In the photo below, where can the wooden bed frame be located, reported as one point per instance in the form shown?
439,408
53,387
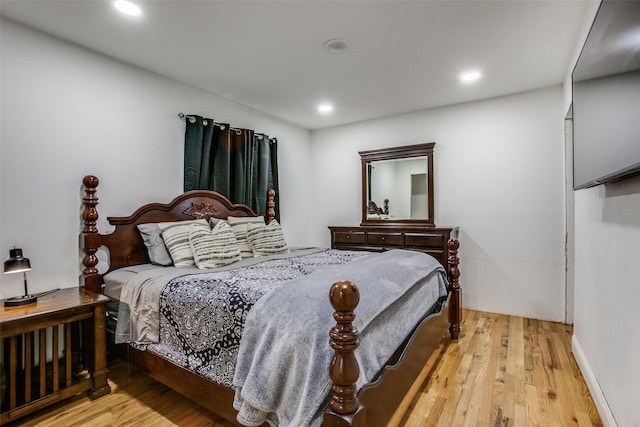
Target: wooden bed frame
346,407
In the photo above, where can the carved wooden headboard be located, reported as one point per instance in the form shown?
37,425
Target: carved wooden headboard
125,245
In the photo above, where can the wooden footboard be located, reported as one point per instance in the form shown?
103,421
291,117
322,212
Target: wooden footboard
376,403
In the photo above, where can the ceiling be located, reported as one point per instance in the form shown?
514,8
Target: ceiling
401,56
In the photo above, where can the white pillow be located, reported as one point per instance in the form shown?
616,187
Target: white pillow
213,248
267,239
176,239
240,227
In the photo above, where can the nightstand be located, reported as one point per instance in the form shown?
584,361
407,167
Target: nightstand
52,350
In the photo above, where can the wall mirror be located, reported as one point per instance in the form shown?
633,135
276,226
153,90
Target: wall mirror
397,185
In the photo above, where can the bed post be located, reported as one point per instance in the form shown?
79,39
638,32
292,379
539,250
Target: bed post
344,407
271,205
455,308
90,238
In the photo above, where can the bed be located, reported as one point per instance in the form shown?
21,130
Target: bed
356,395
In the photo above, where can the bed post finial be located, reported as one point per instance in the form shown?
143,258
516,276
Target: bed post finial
455,306
90,239
344,369
90,200
271,205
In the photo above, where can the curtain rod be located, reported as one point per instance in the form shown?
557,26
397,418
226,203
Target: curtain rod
222,126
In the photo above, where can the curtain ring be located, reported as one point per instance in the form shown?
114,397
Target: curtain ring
205,122
192,119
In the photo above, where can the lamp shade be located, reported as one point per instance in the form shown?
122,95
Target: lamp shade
16,262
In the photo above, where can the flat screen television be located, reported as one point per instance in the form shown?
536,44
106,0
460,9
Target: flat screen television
606,97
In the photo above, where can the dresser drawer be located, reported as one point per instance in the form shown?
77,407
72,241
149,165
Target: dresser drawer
386,239
348,237
424,240
431,240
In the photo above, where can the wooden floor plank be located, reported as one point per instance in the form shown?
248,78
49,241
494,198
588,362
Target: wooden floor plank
504,371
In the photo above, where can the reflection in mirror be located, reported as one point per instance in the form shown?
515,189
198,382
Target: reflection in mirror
400,186
397,185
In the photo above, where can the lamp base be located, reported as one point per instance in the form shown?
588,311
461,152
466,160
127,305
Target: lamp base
21,300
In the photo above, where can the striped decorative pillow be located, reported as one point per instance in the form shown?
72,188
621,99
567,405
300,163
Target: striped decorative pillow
240,226
214,248
267,240
176,239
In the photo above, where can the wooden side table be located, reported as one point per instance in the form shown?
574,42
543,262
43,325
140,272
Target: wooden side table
53,350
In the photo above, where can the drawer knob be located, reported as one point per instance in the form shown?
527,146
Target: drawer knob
348,237
382,238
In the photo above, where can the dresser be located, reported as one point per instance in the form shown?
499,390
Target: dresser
432,240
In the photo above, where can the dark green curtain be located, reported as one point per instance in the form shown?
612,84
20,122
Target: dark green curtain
238,163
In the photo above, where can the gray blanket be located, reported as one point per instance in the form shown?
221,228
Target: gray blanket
282,368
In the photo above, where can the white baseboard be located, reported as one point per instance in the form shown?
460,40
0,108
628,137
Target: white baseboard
592,383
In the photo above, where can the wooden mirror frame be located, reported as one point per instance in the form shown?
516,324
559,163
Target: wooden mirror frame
396,153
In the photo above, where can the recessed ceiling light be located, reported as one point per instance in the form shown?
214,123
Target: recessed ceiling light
325,108
470,76
127,7
335,45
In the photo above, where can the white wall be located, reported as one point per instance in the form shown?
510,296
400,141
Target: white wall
606,337
68,112
499,175
607,294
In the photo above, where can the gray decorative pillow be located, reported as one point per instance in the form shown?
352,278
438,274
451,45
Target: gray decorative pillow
213,248
267,240
176,239
152,237
240,226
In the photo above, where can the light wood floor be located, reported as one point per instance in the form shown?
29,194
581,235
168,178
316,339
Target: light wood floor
504,371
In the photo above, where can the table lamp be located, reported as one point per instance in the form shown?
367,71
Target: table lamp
18,264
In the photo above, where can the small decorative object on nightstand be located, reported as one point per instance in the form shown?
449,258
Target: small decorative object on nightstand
18,264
